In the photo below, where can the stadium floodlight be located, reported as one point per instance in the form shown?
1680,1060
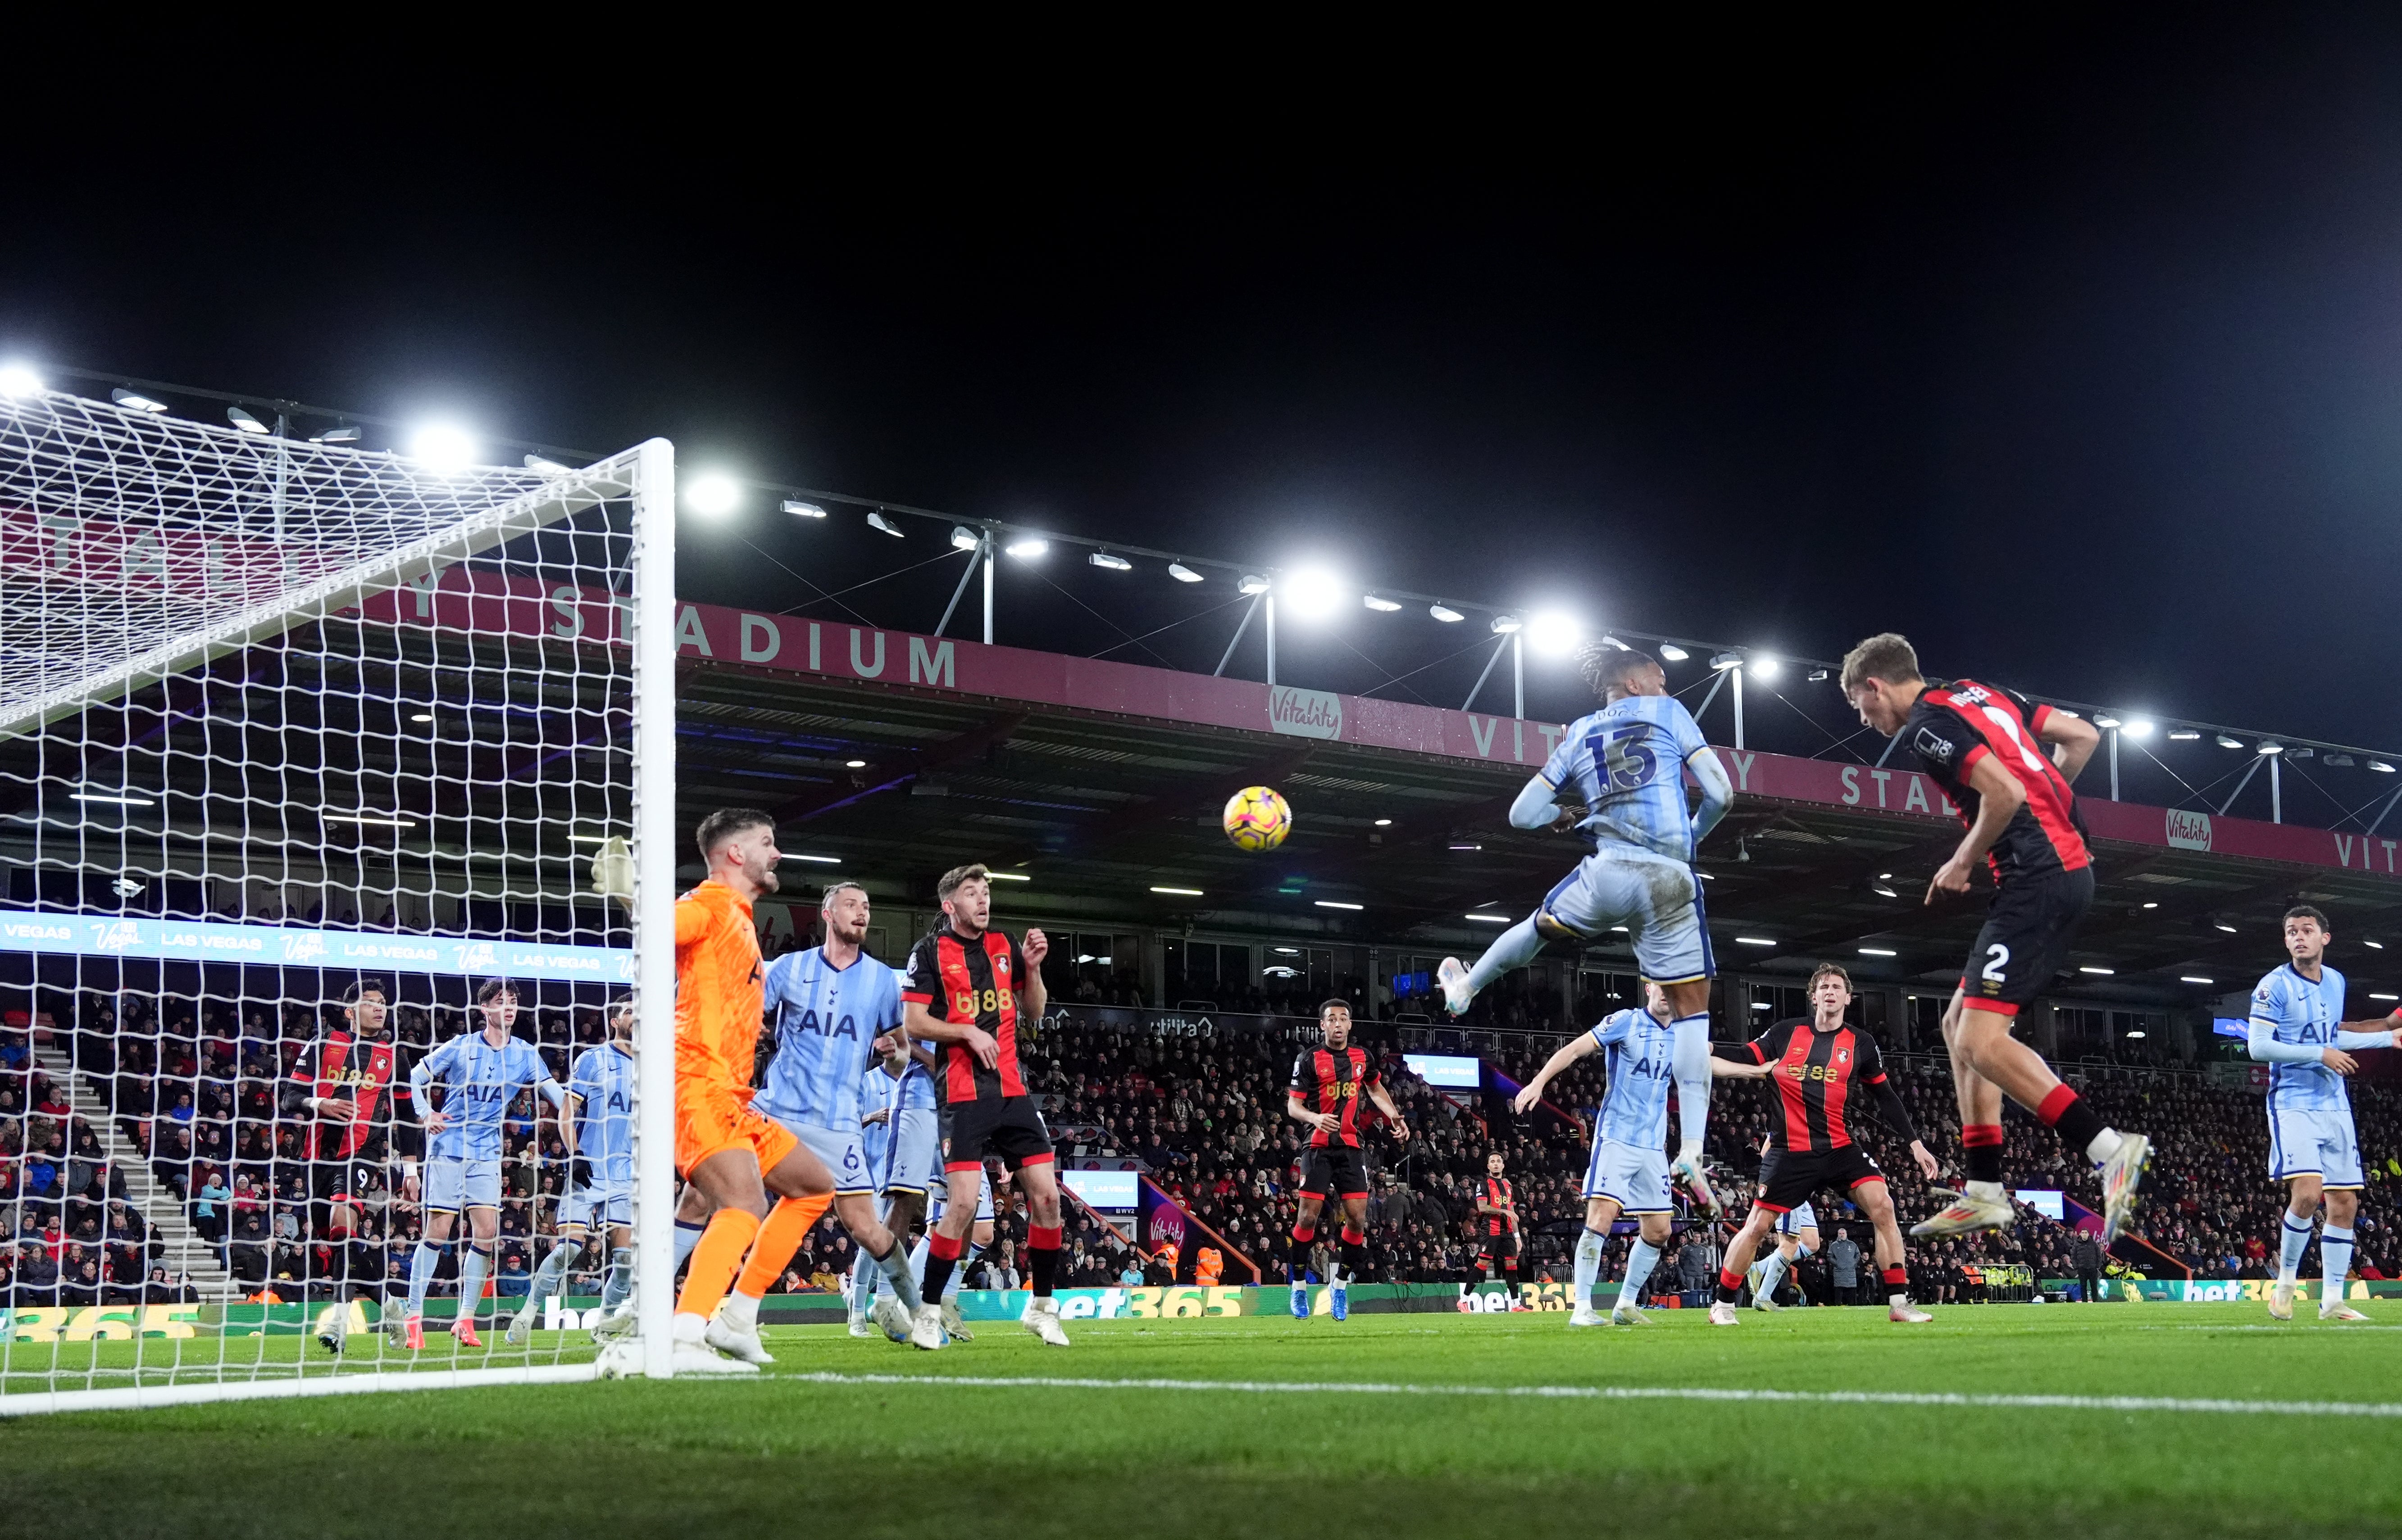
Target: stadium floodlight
1177,893
854,764
815,860
798,509
420,716
2108,722
2377,996
2267,745
1028,548
2302,751
2374,946
1883,890
370,818
964,539
245,421
2151,903
1338,903
712,495
1379,603
17,382
2381,767
1878,951
1311,594
136,401
1110,561
877,521
1753,940
2194,978
1252,585
1819,675
1723,661
543,467
1446,613
1009,876
1490,919
1764,667
2140,728
2341,761
1384,823
2222,925
1182,573
1552,632
342,432
2184,734
2101,972
120,799
2225,742
442,449
1673,652
1506,624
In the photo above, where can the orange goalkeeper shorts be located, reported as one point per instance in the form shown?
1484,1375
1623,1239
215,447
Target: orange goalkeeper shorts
711,1116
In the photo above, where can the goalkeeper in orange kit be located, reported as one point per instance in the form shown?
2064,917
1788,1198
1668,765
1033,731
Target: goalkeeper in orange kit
731,1157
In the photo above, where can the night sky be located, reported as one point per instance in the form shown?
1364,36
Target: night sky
2078,357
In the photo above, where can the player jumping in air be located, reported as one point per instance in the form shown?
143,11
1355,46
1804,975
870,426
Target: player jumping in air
1626,762
599,1180
1815,1062
2297,1029
1988,748
1326,1084
481,1073
344,1080
1629,1170
833,1005
968,989
730,1156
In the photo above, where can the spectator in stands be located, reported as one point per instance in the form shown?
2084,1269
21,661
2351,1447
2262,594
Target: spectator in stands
2086,1254
38,1276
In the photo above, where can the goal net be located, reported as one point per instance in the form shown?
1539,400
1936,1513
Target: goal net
334,790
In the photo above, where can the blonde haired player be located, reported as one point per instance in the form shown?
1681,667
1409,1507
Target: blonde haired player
731,1156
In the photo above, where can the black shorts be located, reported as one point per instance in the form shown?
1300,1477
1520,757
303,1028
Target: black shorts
1791,1177
1339,1170
1502,1245
338,1182
2025,939
1008,1127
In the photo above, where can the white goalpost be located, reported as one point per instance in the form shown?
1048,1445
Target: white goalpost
311,762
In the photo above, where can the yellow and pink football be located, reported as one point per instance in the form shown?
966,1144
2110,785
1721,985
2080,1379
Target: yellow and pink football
1257,818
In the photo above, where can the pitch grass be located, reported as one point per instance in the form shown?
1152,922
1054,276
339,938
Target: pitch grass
785,1456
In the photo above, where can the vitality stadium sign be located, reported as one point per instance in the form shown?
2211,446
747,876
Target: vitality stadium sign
462,599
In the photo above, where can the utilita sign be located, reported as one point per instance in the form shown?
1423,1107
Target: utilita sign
466,600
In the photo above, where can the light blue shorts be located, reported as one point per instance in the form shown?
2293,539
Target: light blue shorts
1635,1176
1657,899
600,1205
1793,1221
452,1182
844,1152
938,1190
917,1149
2300,1143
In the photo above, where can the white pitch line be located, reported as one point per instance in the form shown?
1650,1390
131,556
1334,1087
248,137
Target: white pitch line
1641,1393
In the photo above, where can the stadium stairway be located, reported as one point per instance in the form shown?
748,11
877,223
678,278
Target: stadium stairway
181,1247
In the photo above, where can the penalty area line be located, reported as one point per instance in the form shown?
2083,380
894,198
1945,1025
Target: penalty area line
1639,1393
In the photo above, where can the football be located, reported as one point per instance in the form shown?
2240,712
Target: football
1257,818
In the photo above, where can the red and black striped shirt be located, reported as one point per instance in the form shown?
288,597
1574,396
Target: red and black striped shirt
350,1068
976,981
1332,1079
1951,726
1497,1195
1816,1072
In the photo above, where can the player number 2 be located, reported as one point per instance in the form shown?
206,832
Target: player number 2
1997,962
1632,763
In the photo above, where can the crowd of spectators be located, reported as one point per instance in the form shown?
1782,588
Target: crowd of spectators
192,1085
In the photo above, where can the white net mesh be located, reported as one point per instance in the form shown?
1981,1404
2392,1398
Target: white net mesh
283,729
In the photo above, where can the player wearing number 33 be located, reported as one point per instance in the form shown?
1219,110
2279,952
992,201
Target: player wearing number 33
1625,765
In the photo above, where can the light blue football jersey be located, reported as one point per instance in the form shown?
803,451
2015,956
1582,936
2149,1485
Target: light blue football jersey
480,1082
1637,1047
917,1089
825,1017
2301,1011
602,1081
878,1091
1626,764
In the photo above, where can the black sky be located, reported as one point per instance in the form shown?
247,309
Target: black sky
2075,354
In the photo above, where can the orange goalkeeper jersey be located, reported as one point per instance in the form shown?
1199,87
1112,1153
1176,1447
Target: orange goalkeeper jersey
719,978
